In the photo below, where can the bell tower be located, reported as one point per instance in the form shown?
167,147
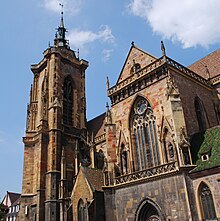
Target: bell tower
55,140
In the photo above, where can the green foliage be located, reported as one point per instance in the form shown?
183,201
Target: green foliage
2,211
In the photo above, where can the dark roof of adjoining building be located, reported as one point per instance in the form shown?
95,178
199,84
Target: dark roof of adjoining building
12,196
17,201
96,125
211,147
209,65
94,177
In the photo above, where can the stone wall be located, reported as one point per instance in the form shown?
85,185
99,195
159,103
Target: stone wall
169,193
213,182
188,90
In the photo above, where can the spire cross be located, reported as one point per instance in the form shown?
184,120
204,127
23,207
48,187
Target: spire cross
61,5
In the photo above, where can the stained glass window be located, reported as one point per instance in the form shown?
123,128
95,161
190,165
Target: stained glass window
143,126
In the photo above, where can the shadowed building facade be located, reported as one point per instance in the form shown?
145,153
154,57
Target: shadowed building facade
154,155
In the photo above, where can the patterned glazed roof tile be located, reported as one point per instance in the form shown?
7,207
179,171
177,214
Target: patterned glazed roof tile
210,146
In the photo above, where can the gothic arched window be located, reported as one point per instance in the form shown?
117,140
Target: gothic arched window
143,128
201,114
206,202
67,101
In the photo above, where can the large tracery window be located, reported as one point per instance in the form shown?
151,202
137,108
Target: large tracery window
67,101
206,201
143,127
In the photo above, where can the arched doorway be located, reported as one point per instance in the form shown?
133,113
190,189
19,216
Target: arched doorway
148,210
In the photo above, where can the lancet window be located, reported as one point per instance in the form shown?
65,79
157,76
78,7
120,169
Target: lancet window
206,201
82,211
67,101
201,114
143,127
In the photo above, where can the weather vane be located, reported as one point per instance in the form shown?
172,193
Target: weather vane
61,7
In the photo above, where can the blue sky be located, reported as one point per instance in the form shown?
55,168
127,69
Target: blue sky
103,31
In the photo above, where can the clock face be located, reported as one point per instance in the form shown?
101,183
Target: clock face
141,108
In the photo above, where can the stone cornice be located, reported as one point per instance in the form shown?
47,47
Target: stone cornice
188,72
66,54
147,76
138,81
215,80
100,139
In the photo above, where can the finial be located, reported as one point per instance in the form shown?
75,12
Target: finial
163,49
92,136
107,83
207,71
63,154
107,106
132,43
78,53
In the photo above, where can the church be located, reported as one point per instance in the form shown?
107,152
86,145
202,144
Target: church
154,155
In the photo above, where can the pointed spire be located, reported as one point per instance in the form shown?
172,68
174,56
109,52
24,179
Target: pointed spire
163,49
107,83
60,38
61,22
108,115
63,164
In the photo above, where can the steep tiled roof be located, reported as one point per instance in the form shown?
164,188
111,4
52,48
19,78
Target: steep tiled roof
94,177
212,61
10,197
97,125
210,146
17,201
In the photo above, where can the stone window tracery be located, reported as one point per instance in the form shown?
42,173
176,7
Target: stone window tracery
67,101
143,127
206,201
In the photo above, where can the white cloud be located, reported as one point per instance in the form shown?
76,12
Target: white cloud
79,38
190,22
72,7
107,54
